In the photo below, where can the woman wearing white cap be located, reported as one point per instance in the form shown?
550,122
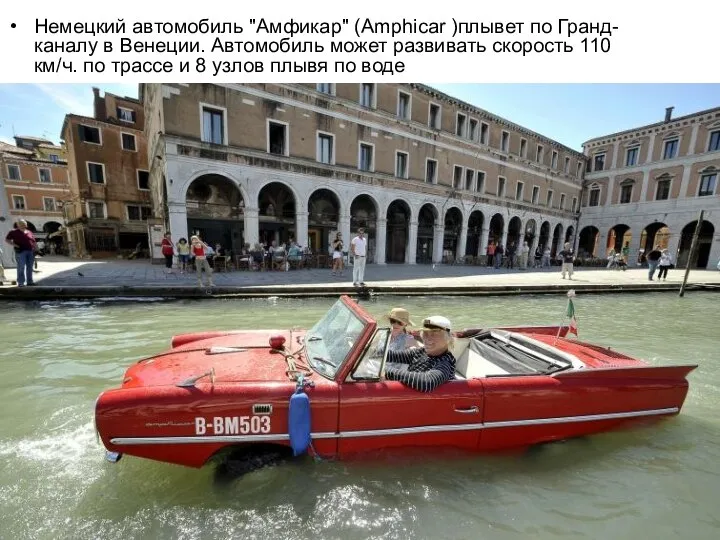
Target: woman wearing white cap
400,338
424,369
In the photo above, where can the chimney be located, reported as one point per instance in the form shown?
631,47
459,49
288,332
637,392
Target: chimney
668,113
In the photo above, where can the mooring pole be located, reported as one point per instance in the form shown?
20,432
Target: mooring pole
691,256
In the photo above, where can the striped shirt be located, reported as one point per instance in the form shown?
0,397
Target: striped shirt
421,372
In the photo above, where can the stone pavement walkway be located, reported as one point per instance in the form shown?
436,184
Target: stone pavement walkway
62,277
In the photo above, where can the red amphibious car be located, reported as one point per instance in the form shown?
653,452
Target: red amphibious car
514,388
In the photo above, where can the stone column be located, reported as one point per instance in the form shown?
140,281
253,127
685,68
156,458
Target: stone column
438,238
616,151
687,169
645,183
651,148
252,226
411,251
380,239
693,140
177,218
462,243
483,244
610,190
301,228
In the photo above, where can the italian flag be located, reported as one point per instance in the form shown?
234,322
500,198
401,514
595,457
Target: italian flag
571,315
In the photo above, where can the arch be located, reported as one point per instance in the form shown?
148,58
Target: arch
655,234
619,237
398,226
364,211
30,225
514,232
587,243
556,240
475,226
183,189
277,209
323,208
427,218
453,228
570,235
704,245
496,229
50,227
544,239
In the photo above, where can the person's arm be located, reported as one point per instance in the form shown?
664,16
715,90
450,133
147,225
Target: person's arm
403,357
423,381
352,247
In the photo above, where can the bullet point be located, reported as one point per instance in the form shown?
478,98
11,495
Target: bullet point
13,25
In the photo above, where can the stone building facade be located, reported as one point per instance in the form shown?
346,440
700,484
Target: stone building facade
34,173
429,177
646,186
109,204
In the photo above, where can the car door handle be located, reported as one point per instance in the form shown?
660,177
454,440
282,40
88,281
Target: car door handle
469,410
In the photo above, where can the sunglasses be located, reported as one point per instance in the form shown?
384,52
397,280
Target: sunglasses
395,321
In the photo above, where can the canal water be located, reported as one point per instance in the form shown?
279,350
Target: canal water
657,482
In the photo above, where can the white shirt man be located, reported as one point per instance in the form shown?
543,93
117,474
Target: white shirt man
358,246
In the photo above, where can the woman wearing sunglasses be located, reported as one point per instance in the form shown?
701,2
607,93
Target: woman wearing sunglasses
400,338
425,368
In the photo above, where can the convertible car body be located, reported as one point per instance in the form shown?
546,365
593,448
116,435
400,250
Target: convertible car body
514,388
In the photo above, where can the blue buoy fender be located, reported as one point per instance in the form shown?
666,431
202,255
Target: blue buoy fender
299,422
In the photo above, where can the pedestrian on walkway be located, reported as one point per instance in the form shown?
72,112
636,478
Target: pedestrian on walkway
499,252
664,265
568,258
524,251
168,252
23,242
337,254
653,259
358,247
490,252
546,257
199,249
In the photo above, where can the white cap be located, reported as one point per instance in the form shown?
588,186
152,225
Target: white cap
437,321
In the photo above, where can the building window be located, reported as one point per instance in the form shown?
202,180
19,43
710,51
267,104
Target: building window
501,187
540,156
277,134
594,197
457,177
535,194
367,95
431,171
136,212
707,184
128,142
484,133
45,176
631,156
54,158
480,186
523,148
18,202
89,134
460,125
326,88
96,173
96,209
326,148
401,164
554,159
49,204
365,159
567,165
434,119
472,135
519,191
578,172
126,115
574,204
213,125
505,141
549,198
404,106
714,144
469,179
626,189
599,162
670,150
562,201
143,180
13,172
662,191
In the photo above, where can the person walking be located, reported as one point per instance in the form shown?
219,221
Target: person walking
168,252
358,247
23,242
337,255
653,259
664,265
568,258
199,249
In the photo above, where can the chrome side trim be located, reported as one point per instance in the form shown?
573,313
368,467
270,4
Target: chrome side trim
390,431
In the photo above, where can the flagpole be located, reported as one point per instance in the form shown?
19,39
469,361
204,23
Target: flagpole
570,295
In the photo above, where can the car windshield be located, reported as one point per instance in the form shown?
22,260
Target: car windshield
330,341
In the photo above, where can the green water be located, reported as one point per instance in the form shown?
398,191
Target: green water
659,482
